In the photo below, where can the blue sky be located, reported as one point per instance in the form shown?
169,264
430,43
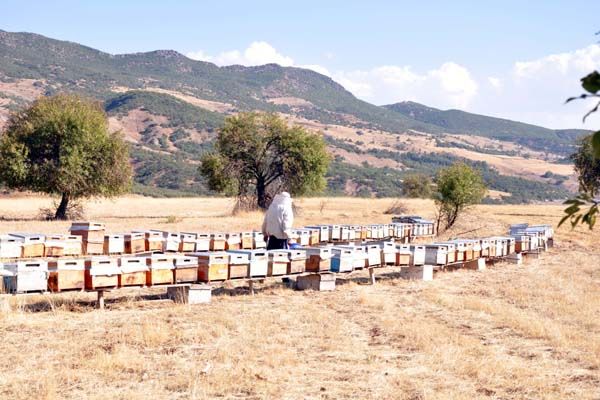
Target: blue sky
494,57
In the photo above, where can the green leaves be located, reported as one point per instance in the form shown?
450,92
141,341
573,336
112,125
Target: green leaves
591,82
596,144
575,215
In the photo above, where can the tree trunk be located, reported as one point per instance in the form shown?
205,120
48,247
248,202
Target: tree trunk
61,211
261,194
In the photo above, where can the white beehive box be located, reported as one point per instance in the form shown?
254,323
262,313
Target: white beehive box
335,233
26,276
259,261
259,240
114,243
436,254
388,253
323,232
343,259
33,244
417,254
10,246
171,240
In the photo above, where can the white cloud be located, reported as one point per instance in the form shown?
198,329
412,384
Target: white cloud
257,53
317,68
495,82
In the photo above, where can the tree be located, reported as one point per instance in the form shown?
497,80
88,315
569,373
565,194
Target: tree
589,149
258,154
417,186
458,187
62,145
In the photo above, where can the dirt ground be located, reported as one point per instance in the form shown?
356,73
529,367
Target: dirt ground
510,332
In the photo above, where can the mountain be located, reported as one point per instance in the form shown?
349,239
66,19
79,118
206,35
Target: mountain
169,107
457,121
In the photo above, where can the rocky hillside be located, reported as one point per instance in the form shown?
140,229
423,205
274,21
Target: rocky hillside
170,106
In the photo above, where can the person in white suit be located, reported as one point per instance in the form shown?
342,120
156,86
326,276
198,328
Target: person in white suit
277,225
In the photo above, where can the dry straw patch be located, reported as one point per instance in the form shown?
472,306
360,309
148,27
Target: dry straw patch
510,332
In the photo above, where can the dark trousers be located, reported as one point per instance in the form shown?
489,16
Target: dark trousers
276,244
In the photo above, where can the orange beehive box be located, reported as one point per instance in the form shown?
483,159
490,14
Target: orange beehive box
217,241
186,269
101,272
66,274
33,244
239,265
161,270
187,242
134,271
319,259
212,266
90,231
233,241
278,262
135,242
247,240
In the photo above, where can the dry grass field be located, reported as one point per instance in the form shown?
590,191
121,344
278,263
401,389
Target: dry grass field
510,332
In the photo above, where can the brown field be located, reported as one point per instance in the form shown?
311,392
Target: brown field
510,332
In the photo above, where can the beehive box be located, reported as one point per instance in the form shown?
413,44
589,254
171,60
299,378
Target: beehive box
160,270
93,248
54,247
511,245
153,240
436,254
135,242
296,261
33,244
186,269
315,236
26,276
323,232
417,253
318,259
239,265
187,242
335,233
278,262
101,273
374,255
10,246
258,240
522,243
484,244
114,244
89,231
303,236
134,271
319,282
201,242
403,254
170,242
461,250
233,241
388,253
66,274
259,261
342,259
247,240
344,233
212,266
217,241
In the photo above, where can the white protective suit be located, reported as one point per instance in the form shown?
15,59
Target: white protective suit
279,217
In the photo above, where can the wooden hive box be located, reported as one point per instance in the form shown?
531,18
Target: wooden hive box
160,270
217,241
342,259
498,247
233,241
153,240
403,254
323,232
315,236
66,274
170,242
318,282
417,255
187,242
33,244
511,245
135,242
319,259
212,266
26,276
278,262
258,240
247,241
114,244
134,271
303,236
374,255
10,247
491,247
89,231
436,254
54,246
360,257
461,250
259,262
521,243
239,265
296,261
186,269
335,233
388,253
202,242
101,273
484,244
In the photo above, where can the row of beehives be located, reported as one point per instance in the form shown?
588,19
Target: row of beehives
89,238
156,269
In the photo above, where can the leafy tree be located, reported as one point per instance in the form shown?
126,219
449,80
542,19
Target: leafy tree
62,145
258,154
588,178
417,186
458,187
